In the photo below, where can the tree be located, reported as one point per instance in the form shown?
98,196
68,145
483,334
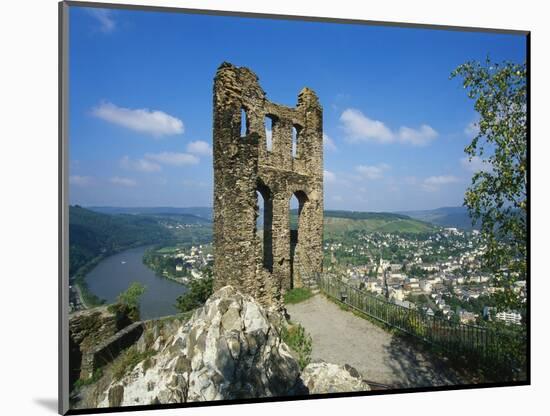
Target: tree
199,291
128,301
498,192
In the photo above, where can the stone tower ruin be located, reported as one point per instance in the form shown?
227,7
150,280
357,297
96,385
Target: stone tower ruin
265,261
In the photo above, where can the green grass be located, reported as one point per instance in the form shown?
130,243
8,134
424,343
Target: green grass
98,373
128,361
297,295
166,250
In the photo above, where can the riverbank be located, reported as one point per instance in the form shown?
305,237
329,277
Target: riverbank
183,264
113,274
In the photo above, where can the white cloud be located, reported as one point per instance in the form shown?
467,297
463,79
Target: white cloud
475,164
153,122
140,165
328,143
174,159
472,129
417,137
337,198
372,172
338,179
360,128
329,177
433,183
199,147
78,180
441,180
117,180
105,19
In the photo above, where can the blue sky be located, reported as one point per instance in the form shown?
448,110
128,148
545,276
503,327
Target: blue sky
395,125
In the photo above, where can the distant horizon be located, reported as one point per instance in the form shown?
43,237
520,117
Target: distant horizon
211,207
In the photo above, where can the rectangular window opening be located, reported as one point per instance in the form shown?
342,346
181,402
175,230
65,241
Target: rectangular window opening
268,122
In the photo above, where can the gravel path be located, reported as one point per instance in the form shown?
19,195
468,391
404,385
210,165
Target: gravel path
341,337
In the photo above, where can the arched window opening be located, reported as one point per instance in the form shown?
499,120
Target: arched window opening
264,225
245,124
294,212
296,207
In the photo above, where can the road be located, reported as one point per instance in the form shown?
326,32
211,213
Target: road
80,297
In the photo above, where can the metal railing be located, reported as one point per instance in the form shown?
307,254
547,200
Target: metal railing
470,341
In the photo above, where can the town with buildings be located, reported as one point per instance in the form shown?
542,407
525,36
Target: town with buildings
440,273
181,263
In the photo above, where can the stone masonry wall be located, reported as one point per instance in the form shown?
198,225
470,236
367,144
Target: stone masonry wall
261,265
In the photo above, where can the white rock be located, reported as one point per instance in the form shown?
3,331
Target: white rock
322,378
229,349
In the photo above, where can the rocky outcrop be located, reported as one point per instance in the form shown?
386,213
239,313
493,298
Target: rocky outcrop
230,349
322,378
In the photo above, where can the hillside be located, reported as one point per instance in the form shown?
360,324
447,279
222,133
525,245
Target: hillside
201,212
359,215
340,222
335,220
92,234
373,222
105,230
445,217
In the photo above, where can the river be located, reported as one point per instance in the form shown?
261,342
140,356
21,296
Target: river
114,274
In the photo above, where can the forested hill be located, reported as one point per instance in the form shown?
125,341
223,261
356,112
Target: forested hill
92,234
446,217
201,212
358,215
341,222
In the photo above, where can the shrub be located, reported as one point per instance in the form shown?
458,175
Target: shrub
199,291
98,373
299,341
128,301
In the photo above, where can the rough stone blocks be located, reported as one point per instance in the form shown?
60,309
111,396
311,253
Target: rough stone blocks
247,163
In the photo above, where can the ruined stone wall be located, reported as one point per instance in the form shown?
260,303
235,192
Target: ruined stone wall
88,329
257,264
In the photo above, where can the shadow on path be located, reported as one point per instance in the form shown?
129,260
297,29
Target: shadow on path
419,368
341,337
